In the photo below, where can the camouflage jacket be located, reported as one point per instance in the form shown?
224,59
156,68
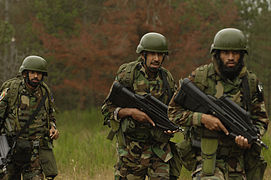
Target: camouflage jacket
209,80
17,104
134,77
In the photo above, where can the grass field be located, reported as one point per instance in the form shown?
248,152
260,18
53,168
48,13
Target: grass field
84,153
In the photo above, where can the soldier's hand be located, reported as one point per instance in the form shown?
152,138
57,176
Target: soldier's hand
212,123
242,142
136,115
170,132
54,133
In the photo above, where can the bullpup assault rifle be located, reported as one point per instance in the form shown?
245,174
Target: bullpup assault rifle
233,117
155,109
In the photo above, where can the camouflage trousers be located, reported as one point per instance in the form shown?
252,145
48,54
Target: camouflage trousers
30,170
139,160
246,165
231,169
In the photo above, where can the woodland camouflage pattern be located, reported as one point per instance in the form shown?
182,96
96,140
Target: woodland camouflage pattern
142,149
16,115
232,161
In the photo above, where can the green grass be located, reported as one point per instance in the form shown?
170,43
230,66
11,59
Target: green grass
83,152
82,149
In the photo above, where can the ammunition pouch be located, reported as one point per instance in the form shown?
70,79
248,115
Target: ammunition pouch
22,151
187,154
209,145
48,162
114,129
158,135
208,154
128,125
143,132
47,158
134,130
175,163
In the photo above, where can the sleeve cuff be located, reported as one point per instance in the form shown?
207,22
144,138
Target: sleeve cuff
196,119
116,112
53,124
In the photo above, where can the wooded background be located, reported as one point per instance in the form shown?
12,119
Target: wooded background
85,41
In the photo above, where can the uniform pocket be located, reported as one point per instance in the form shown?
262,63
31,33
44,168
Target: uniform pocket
23,151
48,162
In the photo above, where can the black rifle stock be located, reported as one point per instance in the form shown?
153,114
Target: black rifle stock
233,117
155,109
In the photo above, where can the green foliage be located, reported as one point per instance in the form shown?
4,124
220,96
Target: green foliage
21,16
259,51
6,32
58,15
250,10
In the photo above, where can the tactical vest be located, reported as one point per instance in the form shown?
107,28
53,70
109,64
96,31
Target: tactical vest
209,86
128,75
206,80
20,107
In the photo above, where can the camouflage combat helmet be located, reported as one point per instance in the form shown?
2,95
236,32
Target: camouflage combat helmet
229,39
153,42
34,63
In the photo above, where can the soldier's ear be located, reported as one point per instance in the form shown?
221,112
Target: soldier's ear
25,73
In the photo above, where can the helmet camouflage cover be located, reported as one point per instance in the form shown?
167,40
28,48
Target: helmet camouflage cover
153,42
34,63
229,39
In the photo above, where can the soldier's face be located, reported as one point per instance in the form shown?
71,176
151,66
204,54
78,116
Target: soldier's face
230,58
35,78
154,60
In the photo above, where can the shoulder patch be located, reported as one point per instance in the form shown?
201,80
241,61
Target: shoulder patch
3,94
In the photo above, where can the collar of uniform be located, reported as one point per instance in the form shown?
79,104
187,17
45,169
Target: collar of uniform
243,72
238,80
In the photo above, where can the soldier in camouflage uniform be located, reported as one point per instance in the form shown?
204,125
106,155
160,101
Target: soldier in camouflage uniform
32,155
228,158
143,150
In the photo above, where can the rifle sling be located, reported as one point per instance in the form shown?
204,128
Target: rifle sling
246,91
166,87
